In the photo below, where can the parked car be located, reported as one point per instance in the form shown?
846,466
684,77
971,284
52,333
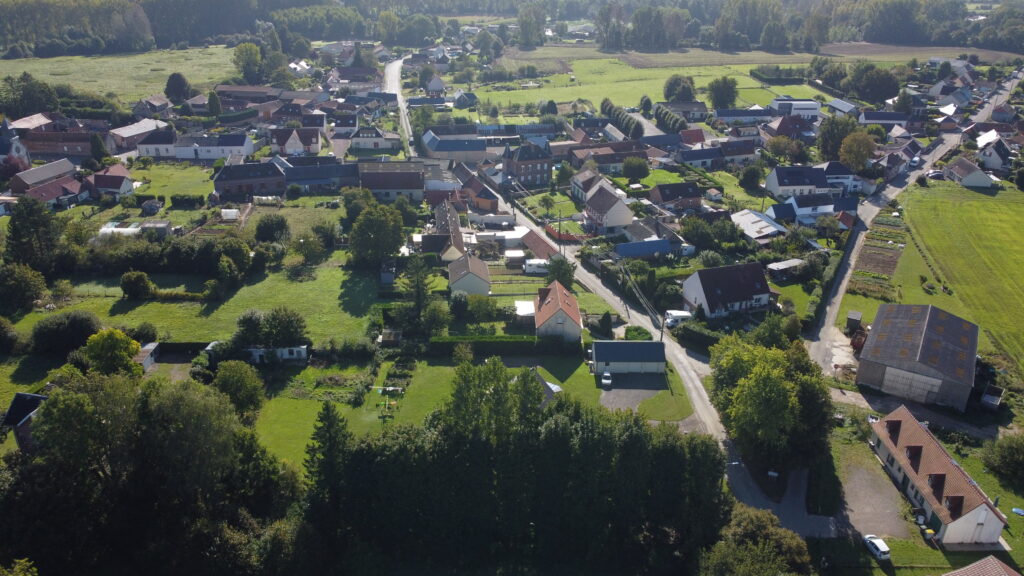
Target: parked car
936,175
915,162
877,547
606,380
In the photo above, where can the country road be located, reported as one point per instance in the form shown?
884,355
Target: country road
826,342
393,84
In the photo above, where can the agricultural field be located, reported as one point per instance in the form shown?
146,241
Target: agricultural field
129,76
962,239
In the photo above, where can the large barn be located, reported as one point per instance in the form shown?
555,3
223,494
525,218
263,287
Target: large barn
921,353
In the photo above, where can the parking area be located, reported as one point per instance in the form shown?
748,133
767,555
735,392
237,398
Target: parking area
873,504
629,390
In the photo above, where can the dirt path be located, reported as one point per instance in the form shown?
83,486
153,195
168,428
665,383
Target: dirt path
885,404
873,505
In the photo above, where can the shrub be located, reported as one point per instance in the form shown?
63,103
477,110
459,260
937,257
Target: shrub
64,332
637,333
8,336
137,286
1005,457
143,333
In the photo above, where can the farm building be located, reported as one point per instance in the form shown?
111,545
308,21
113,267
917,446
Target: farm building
987,566
921,353
629,357
147,355
954,506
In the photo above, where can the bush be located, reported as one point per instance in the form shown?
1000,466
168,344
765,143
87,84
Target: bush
137,286
187,202
64,332
637,333
696,333
1005,457
143,333
8,336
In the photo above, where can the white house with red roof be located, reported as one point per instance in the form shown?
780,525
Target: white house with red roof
557,314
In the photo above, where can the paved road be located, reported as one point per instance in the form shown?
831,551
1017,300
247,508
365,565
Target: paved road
393,83
825,339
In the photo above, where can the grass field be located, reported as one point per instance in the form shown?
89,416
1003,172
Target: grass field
971,238
563,204
732,189
669,405
129,76
167,179
334,304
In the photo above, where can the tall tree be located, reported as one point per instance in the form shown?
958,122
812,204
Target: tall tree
326,459
111,351
561,270
33,235
177,87
856,150
97,148
20,286
243,386
831,134
679,88
723,92
213,104
376,235
248,61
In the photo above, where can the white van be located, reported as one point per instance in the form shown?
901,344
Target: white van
673,317
535,266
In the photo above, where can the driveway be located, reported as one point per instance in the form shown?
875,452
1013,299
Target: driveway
873,504
883,403
629,390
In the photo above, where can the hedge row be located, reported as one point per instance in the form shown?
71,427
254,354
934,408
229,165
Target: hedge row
816,303
775,79
238,116
697,334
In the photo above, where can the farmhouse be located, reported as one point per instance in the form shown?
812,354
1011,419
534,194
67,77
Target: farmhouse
678,196
629,357
128,137
955,507
581,184
708,158
695,111
388,180
470,149
469,274
240,182
529,164
557,314
445,239
987,566
792,127
727,289
23,181
921,353
606,211
373,138
295,141
805,108
113,180
995,155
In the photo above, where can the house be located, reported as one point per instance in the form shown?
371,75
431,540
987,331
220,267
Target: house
727,289
995,155
609,156
113,181
758,227
806,108
469,274
529,164
128,137
19,416
840,107
76,143
892,164
839,176
953,504
445,239
388,180
158,144
738,151
987,566
373,138
205,148
240,182
792,127
540,248
692,136
808,208
677,197
706,158
480,195
557,314
606,211
966,173
61,193
581,183
921,353
783,213
156,105
295,141
436,87
695,111
471,149
318,174
737,133
23,181
743,117
465,100
785,181
300,68
1005,112
884,119
628,357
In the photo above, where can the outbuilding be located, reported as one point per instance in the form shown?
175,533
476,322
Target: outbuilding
629,357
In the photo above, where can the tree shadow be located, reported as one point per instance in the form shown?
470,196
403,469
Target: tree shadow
358,293
31,368
277,379
561,368
124,306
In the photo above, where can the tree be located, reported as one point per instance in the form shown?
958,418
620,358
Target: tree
646,105
762,413
878,85
64,331
376,235
1005,457
22,567
828,226
33,234
426,74
904,103
436,317
635,169
137,286
283,327
831,134
327,456
272,228
482,308
856,150
750,178
213,104
779,146
177,88
243,386
723,92
111,351
547,203
248,61
561,270
20,287
679,88
311,248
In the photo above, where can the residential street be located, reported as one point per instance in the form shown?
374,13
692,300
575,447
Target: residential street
393,83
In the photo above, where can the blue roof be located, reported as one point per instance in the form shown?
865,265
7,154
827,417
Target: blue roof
662,141
782,212
628,351
383,96
845,204
700,154
643,248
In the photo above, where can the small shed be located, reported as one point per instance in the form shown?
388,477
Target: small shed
781,270
390,337
147,356
629,357
152,207
229,214
853,320
713,194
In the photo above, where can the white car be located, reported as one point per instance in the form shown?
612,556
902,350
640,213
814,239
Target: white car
878,548
606,379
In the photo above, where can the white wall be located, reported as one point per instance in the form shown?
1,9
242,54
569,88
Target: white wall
471,284
561,326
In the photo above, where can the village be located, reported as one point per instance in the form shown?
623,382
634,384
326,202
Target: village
396,214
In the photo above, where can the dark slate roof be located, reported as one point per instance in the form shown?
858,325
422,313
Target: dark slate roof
391,175
643,248
528,152
700,154
425,101
602,201
927,335
322,173
21,407
386,97
801,176
738,147
812,200
835,168
628,351
845,204
248,171
664,193
733,113
782,212
842,105
160,137
727,284
437,144
590,122
468,264
56,169
872,116
663,141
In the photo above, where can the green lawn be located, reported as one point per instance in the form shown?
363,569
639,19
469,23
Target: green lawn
971,238
334,304
669,405
563,204
129,76
300,215
573,376
653,179
732,189
795,292
168,179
